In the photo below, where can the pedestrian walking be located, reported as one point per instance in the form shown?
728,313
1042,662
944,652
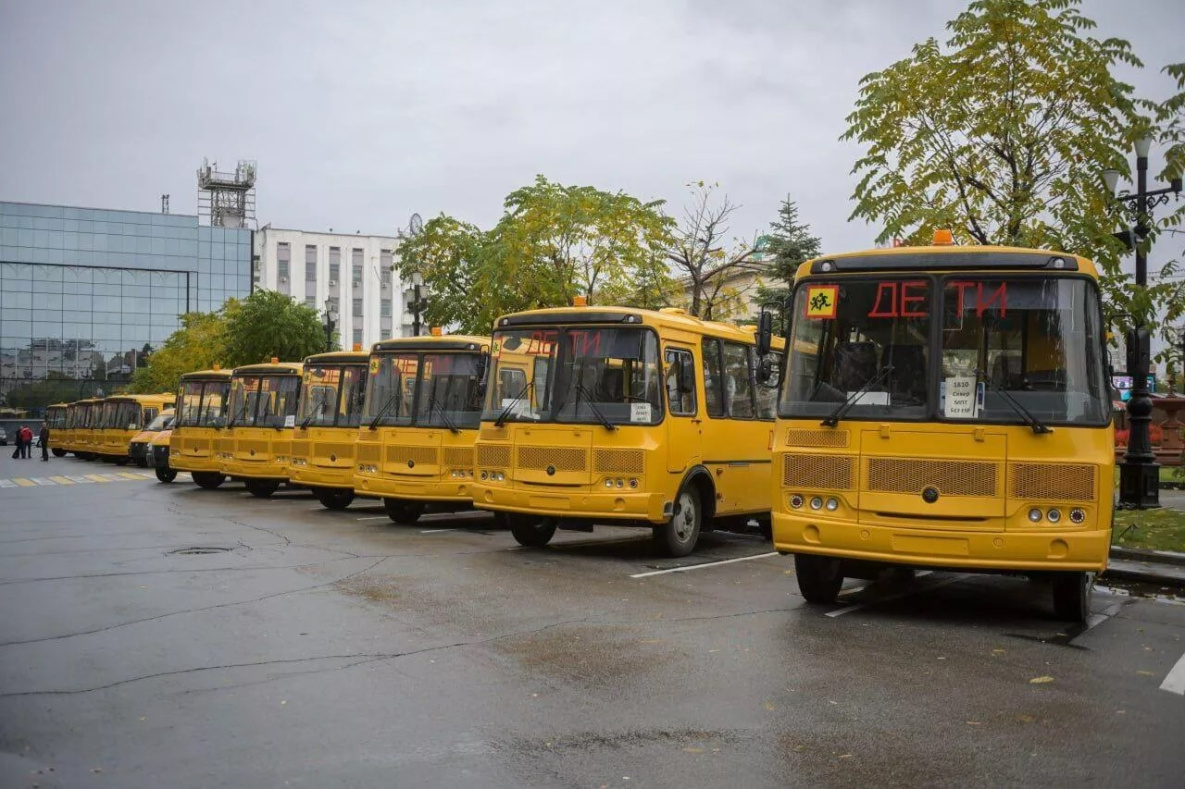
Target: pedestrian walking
44,442
16,451
27,436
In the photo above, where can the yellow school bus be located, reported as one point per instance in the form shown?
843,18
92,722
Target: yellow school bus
422,408
331,397
69,439
200,414
84,436
123,417
256,443
946,407
55,419
624,416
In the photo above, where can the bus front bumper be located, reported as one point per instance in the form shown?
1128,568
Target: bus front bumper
1079,550
315,477
414,489
248,469
194,462
580,505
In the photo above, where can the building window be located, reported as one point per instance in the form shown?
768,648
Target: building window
311,302
357,336
335,264
310,263
357,308
283,257
385,308
386,260
356,264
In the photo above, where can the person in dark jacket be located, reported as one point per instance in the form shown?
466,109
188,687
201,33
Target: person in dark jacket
44,441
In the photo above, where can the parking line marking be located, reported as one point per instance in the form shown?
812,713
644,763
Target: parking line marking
374,518
43,481
691,567
25,483
97,478
81,480
7,483
1174,681
898,596
130,475
62,480
433,531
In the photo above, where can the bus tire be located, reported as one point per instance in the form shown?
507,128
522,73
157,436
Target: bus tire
819,577
58,453
208,479
261,488
678,536
334,498
166,474
403,512
1071,596
531,531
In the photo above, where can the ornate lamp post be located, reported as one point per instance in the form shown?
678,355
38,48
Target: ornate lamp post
329,323
1139,475
418,304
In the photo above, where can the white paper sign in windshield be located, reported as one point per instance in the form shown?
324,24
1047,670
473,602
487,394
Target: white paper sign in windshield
639,412
960,400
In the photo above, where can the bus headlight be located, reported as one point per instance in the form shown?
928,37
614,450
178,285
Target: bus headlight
1035,515
1054,515
796,501
485,474
816,503
1077,515
832,504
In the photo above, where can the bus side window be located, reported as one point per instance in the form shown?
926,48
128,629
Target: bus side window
713,379
738,379
680,382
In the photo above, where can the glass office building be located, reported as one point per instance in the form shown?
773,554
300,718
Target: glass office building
85,293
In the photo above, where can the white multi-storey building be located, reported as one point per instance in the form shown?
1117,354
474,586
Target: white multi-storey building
348,275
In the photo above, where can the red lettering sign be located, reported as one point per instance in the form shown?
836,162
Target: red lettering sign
881,290
997,298
901,297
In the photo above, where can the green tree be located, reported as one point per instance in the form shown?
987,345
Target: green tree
787,246
552,243
1001,134
197,345
268,324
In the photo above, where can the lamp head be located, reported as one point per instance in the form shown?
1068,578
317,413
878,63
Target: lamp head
1143,146
1111,179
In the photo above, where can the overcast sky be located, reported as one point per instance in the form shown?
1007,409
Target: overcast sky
360,113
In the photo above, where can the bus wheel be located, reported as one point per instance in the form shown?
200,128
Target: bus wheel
166,474
58,453
262,488
1071,596
819,577
678,536
335,498
208,479
404,512
532,531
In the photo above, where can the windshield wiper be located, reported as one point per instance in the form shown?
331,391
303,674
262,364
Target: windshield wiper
316,413
433,403
241,412
501,420
588,400
374,423
1032,421
833,418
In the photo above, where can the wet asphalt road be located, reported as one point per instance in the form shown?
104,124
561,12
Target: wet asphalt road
338,649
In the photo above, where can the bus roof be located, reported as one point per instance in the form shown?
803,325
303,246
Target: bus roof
671,318
145,398
449,342
338,357
948,258
58,405
274,368
206,375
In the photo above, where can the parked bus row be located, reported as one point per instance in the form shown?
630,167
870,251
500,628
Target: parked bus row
111,429
941,407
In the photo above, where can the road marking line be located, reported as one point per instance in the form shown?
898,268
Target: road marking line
374,518
433,531
691,567
62,480
81,480
44,481
1174,681
97,478
7,483
25,483
898,596
130,475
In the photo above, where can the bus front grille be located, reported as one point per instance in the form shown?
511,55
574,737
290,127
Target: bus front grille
300,449
493,455
369,452
458,457
950,477
1052,481
403,454
562,458
818,472
805,437
340,450
619,461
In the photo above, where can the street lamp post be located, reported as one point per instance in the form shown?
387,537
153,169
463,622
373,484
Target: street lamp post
329,324
1139,474
417,304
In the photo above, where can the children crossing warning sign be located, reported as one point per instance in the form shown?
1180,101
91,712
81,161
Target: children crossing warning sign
822,301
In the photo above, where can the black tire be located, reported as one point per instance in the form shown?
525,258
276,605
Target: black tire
402,511
678,536
58,453
532,531
208,479
819,577
122,461
166,474
1071,596
261,488
334,498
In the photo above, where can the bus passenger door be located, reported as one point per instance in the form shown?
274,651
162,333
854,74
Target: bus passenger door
684,422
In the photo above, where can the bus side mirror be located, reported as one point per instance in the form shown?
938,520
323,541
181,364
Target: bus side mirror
483,367
765,332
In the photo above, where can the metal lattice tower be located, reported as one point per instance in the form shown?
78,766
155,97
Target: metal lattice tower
226,199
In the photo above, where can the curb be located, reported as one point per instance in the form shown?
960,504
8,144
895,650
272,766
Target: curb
1149,572
1142,555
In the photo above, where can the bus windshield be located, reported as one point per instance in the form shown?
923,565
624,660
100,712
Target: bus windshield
1008,349
332,396
391,389
424,390
581,375
263,401
201,404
